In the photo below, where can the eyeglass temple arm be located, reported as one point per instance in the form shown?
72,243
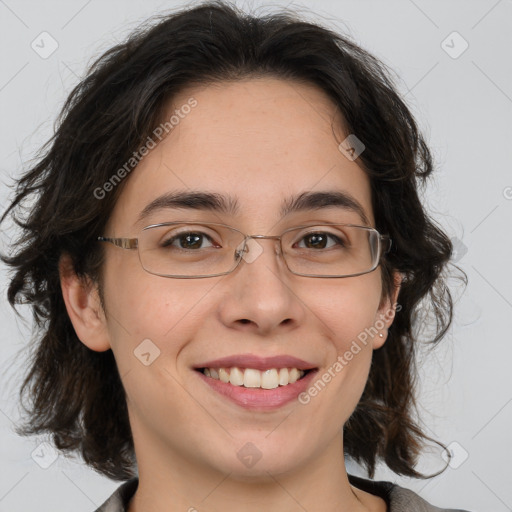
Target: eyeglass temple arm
386,243
124,243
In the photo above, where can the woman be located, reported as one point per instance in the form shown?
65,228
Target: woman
225,258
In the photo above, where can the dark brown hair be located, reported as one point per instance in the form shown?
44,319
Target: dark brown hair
75,393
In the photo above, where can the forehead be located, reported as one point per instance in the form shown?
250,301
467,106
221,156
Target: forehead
259,141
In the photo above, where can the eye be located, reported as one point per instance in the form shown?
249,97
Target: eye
320,240
188,240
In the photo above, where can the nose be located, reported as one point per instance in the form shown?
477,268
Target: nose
260,295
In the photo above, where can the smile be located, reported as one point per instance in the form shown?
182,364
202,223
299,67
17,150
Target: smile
253,378
257,382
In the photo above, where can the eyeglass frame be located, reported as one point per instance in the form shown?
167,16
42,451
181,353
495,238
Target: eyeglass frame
384,243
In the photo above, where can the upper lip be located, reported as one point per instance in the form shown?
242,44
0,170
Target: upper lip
257,362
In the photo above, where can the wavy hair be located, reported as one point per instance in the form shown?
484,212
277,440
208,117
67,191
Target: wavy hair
76,394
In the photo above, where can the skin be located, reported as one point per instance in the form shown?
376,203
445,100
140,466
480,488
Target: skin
260,140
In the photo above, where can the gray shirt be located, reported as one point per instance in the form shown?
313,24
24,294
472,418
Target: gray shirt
397,498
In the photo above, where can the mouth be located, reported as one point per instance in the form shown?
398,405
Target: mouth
254,378
257,382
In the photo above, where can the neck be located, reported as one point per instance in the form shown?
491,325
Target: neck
174,483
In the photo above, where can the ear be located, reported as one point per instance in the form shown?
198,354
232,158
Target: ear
84,308
386,312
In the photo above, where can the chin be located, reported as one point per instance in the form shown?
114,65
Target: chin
259,461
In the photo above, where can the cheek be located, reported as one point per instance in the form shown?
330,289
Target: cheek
150,321
347,314
349,309
142,307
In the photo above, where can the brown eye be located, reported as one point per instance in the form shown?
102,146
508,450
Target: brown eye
320,240
190,240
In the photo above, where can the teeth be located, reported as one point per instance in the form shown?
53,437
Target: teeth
251,378
294,375
223,375
269,379
236,377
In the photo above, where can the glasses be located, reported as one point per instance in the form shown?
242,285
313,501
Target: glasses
188,250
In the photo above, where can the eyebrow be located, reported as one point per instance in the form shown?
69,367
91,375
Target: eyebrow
228,205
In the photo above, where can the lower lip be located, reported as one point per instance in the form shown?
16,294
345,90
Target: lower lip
258,398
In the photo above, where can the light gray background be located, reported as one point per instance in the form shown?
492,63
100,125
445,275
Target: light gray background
464,105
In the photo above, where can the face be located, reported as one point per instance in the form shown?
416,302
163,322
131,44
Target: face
260,142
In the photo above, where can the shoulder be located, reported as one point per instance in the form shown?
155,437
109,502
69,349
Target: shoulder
398,499
118,501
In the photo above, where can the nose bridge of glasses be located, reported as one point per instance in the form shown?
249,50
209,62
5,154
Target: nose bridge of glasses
250,250
275,238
